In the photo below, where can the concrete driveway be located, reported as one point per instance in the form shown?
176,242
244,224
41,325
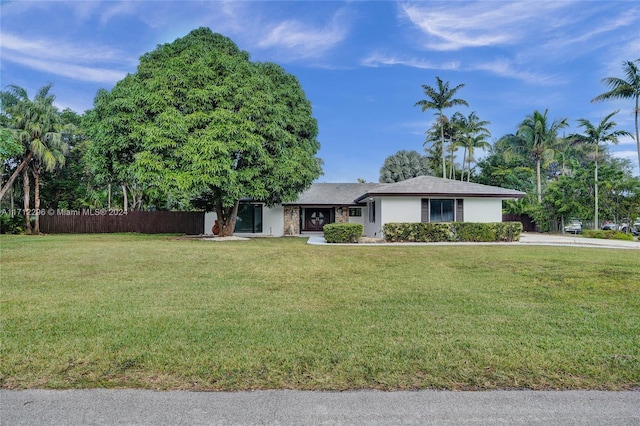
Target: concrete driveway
135,407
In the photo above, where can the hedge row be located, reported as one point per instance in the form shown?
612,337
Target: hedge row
342,232
454,232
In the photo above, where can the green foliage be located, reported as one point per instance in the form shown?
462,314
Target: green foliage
9,147
342,232
199,120
452,231
403,165
607,234
12,225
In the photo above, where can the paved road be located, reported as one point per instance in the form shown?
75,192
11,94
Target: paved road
132,407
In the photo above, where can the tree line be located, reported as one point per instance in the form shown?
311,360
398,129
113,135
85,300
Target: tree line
565,176
197,126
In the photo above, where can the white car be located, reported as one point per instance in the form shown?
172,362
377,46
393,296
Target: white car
573,227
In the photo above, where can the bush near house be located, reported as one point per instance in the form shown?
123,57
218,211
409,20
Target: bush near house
452,232
342,232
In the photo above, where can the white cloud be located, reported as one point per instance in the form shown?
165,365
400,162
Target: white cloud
506,68
56,49
457,25
116,9
59,58
302,40
77,72
376,59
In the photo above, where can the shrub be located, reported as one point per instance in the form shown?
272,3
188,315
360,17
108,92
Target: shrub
11,225
342,232
454,231
607,234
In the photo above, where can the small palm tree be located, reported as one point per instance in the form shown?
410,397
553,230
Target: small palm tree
593,135
403,165
537,137
628,88
440,98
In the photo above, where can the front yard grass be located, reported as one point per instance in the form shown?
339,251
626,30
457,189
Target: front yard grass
157,312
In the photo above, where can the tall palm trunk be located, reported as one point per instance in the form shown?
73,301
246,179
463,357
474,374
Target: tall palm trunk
538,179
125,201
26,195
637,132
36,197
444,161
595,192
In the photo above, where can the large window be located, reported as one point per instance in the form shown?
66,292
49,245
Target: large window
441,210
249,219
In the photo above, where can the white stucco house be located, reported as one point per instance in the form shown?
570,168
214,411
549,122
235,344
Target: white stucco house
421,199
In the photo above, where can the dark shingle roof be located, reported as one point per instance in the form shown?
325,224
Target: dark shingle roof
433,186
333,193
354,193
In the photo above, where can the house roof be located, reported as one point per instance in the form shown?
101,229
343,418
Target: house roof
425,186
333,193
433,186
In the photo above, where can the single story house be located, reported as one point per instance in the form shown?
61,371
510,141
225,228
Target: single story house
420,199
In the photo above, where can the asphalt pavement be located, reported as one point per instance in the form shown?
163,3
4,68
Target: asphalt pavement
285,407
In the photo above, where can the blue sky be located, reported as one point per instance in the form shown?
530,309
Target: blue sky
361,64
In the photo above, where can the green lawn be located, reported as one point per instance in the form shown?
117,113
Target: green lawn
164,313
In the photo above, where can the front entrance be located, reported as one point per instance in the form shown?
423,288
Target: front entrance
315,219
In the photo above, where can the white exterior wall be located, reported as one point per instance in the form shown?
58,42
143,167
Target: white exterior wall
400,209
360,219
272,222
373,229
482,210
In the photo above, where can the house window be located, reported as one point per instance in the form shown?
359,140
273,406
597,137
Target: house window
249,219
355,211
441,210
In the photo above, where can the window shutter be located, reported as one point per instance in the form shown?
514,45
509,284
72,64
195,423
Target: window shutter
424,212
459,210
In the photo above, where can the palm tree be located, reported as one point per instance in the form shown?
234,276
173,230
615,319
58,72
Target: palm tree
625,89
403,165
440,98
537,137
36,125
595,136
474,135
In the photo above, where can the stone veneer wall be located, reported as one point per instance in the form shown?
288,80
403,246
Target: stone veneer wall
291,220
342,214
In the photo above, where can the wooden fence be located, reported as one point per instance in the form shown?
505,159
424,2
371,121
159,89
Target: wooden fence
104,221
528,225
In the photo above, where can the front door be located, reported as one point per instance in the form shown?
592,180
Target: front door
315,219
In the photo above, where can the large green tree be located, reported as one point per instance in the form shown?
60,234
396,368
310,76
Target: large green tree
439,98
403,165
594,135
199,121
627,88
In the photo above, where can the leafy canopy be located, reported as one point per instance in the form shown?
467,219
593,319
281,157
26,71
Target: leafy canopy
200,120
